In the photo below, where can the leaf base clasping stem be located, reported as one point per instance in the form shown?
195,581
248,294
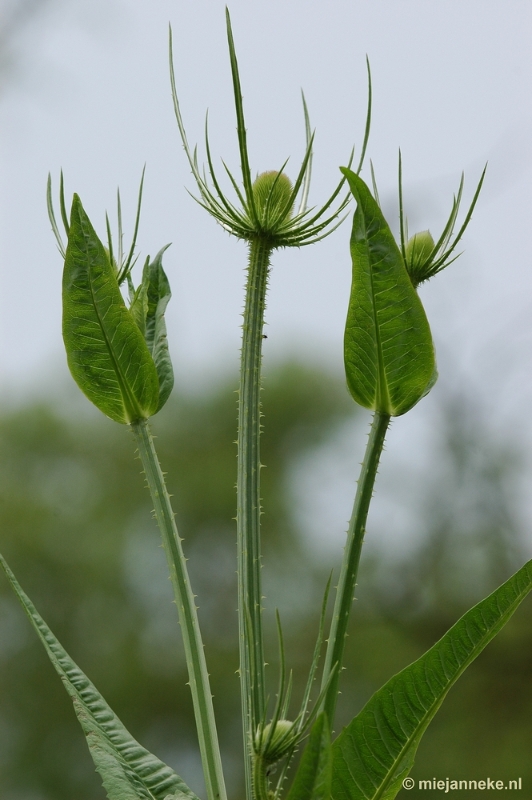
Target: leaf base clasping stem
188,618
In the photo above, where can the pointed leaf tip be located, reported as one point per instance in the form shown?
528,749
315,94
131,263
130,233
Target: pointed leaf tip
376,751
388,349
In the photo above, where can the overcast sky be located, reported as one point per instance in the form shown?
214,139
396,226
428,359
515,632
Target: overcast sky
87,90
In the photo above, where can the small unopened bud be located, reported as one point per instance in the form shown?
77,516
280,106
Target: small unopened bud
271,193
419,248
284,737
417,252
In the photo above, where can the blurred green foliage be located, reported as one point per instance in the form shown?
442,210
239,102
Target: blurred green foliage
77,530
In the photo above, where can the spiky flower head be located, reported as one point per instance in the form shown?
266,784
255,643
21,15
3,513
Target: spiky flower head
418,248
272,193
424,257
259,212
275,740
417,251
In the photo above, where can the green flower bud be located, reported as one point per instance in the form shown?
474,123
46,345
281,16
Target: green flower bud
273,747
271,193
417,252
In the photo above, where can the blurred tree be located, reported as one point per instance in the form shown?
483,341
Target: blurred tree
469,512
78,532
77,529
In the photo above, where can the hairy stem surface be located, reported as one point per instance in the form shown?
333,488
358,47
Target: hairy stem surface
348,575
260,779
188,618
248,502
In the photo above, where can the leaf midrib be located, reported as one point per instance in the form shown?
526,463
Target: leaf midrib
86,707
122,382
382,399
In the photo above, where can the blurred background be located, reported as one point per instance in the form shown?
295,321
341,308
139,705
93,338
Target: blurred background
84,88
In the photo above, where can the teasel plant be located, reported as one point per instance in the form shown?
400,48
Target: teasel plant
269,212
118,355
390,364
117,352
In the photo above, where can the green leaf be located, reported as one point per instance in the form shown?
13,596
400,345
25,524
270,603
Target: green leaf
389,354
376,751
314,774
158,295
128,770
106,351
139,305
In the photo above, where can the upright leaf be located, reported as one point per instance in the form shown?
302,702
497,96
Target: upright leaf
106,351
138,307
159,294
128,770
313,777
376,751
389,354
148,309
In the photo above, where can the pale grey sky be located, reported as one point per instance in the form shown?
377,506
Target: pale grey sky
452,85
452,80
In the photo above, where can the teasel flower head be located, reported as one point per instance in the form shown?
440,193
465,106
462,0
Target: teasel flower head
423,256
270,208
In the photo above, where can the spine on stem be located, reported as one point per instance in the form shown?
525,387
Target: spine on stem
188,618
348,575
248,500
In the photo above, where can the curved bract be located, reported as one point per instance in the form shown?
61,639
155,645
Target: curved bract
424,257
389,355
280,216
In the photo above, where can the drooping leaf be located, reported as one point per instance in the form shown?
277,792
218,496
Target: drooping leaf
106,351
313,777
389,354
128,770
376,751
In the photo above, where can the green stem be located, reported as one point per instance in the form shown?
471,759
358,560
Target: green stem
248,502
260,779
348,575
188,618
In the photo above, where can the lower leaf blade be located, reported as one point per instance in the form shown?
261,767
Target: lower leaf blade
376,751
128,770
